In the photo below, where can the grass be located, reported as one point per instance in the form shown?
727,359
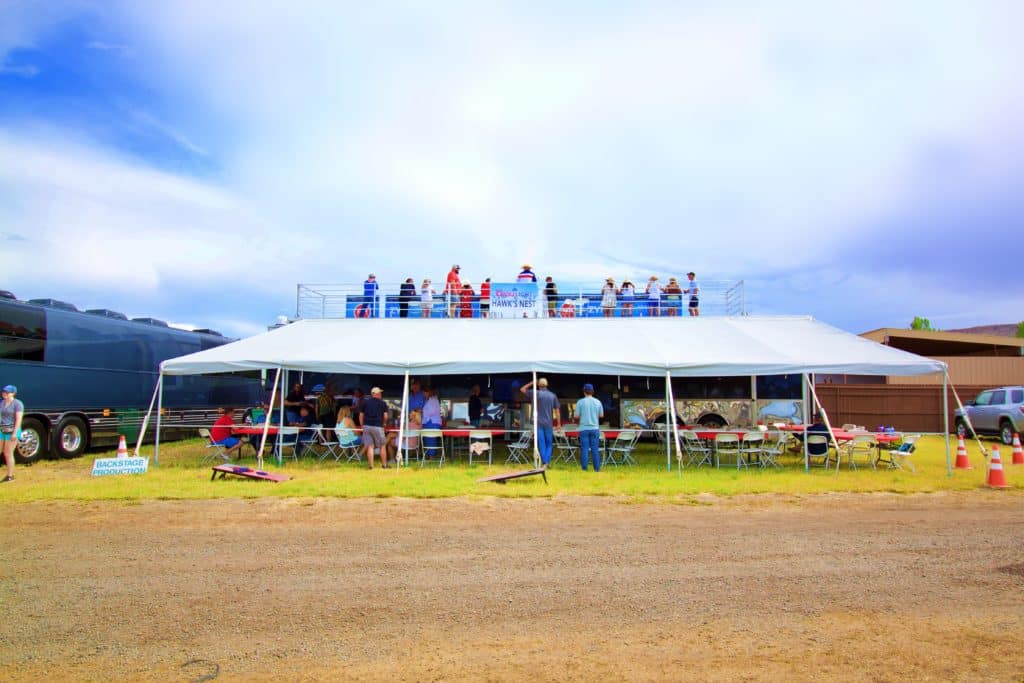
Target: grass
179,476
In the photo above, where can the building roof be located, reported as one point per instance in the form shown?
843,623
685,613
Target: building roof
935,343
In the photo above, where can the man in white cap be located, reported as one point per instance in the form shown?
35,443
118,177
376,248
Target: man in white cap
548,417
373,418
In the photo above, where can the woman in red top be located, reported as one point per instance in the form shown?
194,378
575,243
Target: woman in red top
466,306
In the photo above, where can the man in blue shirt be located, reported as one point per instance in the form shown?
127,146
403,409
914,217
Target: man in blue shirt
589,411
548,417
416,398
370,288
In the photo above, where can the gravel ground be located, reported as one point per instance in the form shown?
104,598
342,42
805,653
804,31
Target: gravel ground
868,587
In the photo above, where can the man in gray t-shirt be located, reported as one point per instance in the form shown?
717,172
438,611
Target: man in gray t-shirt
548,417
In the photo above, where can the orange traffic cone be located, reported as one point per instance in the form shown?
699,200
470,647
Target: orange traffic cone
996,476
122,448
962,463
1018,454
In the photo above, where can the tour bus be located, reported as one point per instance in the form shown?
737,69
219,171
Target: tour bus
87,377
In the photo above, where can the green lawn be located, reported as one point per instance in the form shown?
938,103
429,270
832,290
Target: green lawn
179,476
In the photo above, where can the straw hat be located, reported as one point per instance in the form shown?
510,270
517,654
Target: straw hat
627,281
672,281
654,277
527,266
609,279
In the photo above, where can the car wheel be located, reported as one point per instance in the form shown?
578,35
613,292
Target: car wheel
71,437
711,422
32,446
1006,432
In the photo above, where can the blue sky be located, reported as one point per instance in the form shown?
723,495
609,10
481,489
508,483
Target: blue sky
859,162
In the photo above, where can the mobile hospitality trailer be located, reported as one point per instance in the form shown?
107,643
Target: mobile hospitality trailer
87,377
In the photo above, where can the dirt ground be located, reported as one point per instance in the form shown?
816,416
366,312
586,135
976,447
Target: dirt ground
862,587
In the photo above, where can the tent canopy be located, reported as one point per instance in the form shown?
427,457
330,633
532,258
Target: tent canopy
684,346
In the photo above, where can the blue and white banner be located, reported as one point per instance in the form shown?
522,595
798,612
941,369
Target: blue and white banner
516,300
105,466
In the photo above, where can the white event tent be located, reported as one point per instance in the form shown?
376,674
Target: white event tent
668,347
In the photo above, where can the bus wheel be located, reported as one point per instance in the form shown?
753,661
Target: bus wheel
71,437
33,442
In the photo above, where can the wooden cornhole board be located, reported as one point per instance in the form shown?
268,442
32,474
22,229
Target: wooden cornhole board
505,477
247,472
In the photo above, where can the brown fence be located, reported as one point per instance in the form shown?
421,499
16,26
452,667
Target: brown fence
916,408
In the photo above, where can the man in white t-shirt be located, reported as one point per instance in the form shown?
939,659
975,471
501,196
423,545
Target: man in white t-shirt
653,296
693,289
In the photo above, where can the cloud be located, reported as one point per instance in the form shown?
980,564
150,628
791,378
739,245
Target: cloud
22,70
814,151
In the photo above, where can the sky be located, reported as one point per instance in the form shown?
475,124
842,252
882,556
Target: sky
860,162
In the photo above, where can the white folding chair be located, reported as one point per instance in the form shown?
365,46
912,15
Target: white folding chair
481,441
729,446
349,445
521,450
565,450
899,458
697,453
774,449
214,451
863,445
752,448
287,437
620,451
822,441
324,443
434,450
410,445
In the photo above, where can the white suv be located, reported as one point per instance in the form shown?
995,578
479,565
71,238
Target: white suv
995,411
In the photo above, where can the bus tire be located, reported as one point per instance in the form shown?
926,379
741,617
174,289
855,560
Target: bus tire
33,444
72,437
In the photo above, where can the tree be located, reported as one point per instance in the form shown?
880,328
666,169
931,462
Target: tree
921,324
1020,329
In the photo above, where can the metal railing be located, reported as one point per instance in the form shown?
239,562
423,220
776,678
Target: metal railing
575,299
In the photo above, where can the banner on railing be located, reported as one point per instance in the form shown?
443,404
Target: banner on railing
516,300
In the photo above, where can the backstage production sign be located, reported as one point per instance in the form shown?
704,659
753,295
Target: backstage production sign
104,466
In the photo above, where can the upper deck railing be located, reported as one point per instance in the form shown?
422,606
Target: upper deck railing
575,299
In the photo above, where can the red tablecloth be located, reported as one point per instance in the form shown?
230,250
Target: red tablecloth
842,435
252,430
608,433
464,433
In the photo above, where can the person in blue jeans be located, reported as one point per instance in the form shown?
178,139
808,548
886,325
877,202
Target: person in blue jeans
548,417
589,411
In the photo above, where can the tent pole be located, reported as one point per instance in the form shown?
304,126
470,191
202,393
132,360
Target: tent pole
828,426
280,426
159,409
668,427
536,436
145,421
674,418
266,419
401,424
945,420
805,417
967,419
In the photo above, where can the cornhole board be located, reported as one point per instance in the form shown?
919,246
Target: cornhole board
247,472
505,477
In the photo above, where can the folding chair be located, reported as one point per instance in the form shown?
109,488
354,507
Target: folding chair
324,443
349,446
287,437
728,445
434,451
751,448
697,453
521,451
410,444
481,441
620,451
821,440
862,445
774,449
214,451
899,458
565,451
